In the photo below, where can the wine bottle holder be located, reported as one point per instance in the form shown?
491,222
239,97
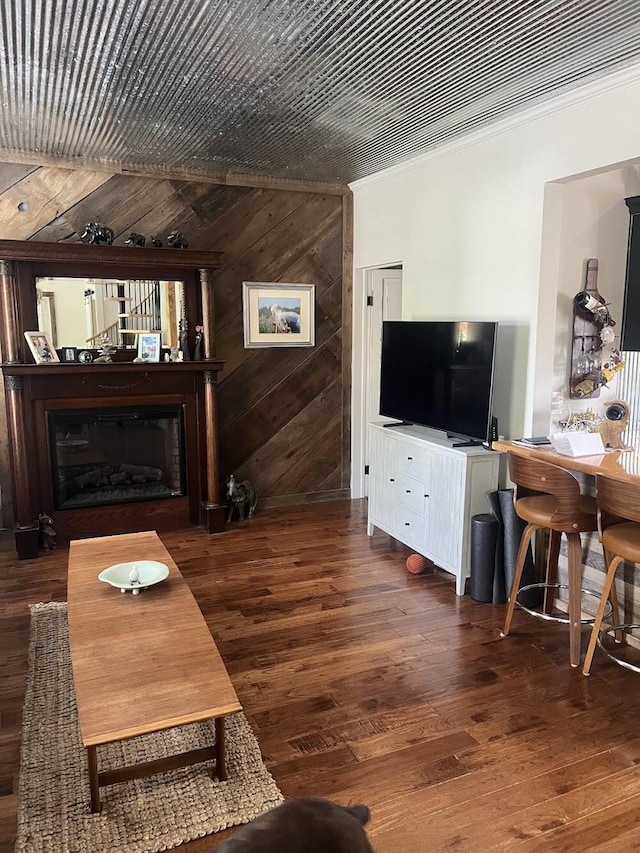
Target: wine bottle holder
586,376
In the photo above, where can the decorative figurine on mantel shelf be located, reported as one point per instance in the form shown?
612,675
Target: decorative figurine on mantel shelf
135,239
177,240
96,233
197,350
105,351
184,340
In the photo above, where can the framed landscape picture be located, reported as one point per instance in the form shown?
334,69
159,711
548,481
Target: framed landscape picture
278,315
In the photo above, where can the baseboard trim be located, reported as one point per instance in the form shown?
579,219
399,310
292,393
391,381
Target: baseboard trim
308,498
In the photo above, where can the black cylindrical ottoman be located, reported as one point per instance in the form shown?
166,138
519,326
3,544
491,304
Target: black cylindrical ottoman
484,538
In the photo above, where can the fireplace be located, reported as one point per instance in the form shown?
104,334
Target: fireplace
108,456
108,447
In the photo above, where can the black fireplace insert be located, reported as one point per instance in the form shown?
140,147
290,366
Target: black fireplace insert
116,455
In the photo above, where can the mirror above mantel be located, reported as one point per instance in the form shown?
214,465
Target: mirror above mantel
82,312
40,300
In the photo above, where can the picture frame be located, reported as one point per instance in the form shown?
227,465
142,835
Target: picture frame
149,346
278,314
68,354
42,348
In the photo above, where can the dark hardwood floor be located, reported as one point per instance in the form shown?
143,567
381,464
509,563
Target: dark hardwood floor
365,683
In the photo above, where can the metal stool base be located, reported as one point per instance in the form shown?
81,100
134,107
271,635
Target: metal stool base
612,657
563,619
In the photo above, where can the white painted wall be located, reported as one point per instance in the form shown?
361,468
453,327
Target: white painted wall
482,230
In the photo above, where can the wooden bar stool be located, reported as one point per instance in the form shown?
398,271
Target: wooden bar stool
548,497
619,529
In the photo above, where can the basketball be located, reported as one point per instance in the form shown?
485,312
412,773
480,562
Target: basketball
417,564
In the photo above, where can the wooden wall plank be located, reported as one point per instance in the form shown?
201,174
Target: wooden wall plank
13,173
250,219
276,252
209,201
312,468
44,194
280,404
256,371
347,325
293,442
282,410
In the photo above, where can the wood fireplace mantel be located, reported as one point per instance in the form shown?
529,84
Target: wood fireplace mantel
32,390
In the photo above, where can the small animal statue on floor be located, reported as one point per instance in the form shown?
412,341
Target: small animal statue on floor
156,242
47,534
135,239
96,232
305,823
241,496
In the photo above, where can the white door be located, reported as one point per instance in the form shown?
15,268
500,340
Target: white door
384,293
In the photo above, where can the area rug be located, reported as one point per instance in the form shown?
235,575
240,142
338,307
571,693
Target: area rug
146,815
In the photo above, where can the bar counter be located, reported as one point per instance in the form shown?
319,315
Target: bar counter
615,464
621,465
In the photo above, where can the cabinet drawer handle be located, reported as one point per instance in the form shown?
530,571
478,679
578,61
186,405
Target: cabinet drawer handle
425,496
391,480
409,458
407,524
408,491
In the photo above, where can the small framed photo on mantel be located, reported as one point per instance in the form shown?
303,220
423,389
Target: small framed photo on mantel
42,348
69,354
278,314
149,346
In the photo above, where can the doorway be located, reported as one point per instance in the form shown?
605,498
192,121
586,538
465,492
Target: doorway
377,297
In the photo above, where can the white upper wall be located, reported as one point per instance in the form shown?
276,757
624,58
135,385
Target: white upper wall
467,224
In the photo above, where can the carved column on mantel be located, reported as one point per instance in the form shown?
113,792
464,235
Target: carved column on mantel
11,334
211,511
26,522
208,315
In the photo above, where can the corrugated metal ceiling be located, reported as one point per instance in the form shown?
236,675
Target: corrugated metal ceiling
328,90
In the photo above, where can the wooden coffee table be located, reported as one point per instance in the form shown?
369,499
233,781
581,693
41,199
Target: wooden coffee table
141,663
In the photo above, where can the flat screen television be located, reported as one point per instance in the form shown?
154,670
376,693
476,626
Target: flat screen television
439,374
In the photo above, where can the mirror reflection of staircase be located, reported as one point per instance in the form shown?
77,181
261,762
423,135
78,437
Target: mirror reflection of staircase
131,308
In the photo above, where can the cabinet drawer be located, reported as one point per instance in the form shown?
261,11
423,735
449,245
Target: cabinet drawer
411,460
411,493
409,525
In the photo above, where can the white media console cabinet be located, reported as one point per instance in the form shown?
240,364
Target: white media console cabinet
424,492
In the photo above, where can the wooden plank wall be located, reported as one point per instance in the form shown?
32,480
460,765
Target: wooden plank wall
283,412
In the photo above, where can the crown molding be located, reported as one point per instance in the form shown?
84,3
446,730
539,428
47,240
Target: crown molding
178,173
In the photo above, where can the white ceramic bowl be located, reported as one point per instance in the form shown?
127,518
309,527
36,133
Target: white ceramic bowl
149,572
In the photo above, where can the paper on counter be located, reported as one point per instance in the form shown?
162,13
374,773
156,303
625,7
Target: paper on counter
577,443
